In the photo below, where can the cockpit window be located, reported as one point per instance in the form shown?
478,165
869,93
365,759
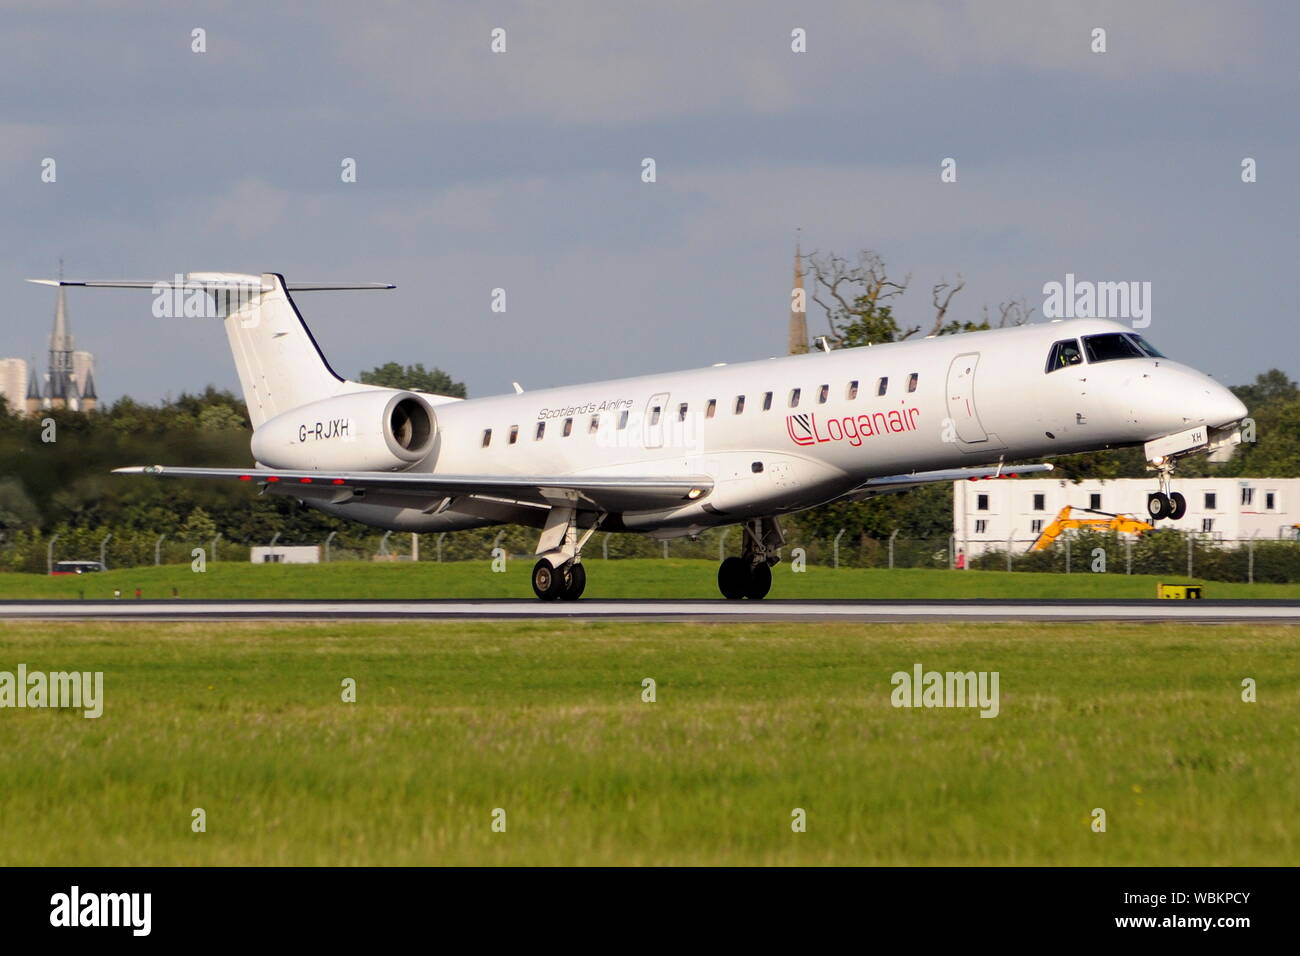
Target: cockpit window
1064,353
1112,345
1146,346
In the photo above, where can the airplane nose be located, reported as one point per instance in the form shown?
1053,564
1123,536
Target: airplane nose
1227,408
1217,406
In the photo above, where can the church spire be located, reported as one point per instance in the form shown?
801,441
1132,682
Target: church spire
88,400
61,390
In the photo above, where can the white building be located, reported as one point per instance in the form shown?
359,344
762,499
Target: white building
13,382
286,554
987,514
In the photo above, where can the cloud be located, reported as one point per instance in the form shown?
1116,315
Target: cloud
250,207
597,63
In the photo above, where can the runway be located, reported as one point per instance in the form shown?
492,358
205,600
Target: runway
1206,612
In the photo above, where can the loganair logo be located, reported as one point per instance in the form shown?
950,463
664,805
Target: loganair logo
805,429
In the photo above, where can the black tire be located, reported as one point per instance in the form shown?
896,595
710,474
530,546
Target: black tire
575,583
733,578
760,582
548,582
1158,506
1177,506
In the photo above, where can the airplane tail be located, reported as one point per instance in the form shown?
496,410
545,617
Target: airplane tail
280,365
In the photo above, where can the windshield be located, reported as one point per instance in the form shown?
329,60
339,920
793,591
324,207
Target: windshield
1111,346
1146,346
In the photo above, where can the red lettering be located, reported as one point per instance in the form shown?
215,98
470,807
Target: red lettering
813,418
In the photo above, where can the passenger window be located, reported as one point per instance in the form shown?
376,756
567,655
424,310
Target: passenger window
594,426
1107,348
622,419
767,400
514,434
912,380
568,427
740,404
711,409
852,392
794,397
487,437
882,386
822,394
681,412
541,430
1064,354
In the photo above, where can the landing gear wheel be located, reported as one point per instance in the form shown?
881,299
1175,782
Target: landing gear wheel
548,582
1177,506
1159,506
760,582
733,578
575,583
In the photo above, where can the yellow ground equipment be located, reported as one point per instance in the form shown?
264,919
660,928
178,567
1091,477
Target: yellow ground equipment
1110,522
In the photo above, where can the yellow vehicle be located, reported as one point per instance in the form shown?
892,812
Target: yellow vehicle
1111,522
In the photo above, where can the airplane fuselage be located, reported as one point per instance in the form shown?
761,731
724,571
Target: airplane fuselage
788,433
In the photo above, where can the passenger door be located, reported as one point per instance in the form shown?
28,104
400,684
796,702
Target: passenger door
656,414
961,398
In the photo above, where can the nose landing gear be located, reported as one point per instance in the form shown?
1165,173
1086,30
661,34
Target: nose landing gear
1163,503
750,575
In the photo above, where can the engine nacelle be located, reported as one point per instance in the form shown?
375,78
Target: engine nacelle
361,431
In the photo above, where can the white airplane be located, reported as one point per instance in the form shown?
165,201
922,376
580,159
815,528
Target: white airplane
673,454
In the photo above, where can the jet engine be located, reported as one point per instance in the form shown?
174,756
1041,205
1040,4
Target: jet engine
379,430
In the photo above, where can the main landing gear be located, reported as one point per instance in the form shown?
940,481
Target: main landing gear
1163,503
566,582
558,573
750,575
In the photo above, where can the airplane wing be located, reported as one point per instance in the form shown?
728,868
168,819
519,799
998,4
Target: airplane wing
603,492
893,484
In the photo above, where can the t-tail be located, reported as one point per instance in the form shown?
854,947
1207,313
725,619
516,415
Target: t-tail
280,365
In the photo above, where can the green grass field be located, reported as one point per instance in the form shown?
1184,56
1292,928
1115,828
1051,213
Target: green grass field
631,578
546,721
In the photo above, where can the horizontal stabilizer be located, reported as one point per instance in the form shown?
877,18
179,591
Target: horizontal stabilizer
210,280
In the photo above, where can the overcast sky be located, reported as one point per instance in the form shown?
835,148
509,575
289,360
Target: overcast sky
522,170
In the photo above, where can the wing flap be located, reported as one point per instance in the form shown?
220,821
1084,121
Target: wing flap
606,492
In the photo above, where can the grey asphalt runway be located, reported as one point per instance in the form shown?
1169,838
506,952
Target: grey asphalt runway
715,610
